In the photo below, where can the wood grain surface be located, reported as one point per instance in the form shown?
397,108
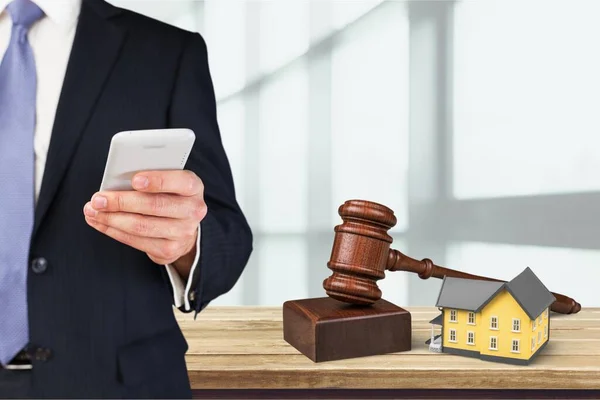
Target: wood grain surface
243,348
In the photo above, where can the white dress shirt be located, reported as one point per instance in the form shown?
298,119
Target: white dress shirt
51,39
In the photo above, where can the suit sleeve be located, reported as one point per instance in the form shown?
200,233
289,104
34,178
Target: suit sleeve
226,242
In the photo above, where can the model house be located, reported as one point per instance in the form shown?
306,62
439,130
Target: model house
495,321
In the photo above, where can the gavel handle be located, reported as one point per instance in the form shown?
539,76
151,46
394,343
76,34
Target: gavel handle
426,269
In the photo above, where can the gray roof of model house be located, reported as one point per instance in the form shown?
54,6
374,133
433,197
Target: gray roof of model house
473,295
530,293
439,320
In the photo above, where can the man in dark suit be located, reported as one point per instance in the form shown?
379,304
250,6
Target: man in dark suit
88,280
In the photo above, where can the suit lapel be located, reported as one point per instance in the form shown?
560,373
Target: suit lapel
95,50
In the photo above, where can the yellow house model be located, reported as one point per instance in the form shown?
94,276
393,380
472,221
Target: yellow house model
496,321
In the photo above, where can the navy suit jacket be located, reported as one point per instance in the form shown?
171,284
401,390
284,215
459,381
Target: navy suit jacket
101,313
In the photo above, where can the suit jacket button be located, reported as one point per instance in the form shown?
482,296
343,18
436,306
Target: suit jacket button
39,265
42,354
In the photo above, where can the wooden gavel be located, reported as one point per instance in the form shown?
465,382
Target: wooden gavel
361,254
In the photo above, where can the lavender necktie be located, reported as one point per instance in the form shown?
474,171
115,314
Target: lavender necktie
17,198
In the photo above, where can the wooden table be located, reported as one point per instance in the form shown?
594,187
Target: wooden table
240,352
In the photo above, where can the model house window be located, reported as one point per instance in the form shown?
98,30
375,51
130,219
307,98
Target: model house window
539,337
452,335
471,318
546,313
516,325
546,331
533,343
453,316
493,322
493,343
533,329
515,346
470,337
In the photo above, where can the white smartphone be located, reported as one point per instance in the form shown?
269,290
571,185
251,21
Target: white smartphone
143,150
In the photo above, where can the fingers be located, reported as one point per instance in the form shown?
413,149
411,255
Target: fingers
161,251
173,194
143,225
181,182
151,204
160,217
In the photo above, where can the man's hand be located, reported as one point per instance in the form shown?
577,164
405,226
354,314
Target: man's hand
160,217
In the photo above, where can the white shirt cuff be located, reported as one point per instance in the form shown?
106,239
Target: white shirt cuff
181,292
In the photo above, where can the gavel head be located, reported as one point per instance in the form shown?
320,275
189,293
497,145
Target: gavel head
360,252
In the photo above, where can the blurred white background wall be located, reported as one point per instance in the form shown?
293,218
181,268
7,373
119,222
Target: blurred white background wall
476,121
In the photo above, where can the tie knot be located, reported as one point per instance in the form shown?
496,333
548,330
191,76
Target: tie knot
24,13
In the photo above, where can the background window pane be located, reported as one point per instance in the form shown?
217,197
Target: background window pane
347,11
283,268
284,28
230,116
283,158
526,96
224,22
370,114
504,261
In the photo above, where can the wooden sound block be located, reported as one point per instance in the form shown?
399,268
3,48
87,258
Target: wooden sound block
325,329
